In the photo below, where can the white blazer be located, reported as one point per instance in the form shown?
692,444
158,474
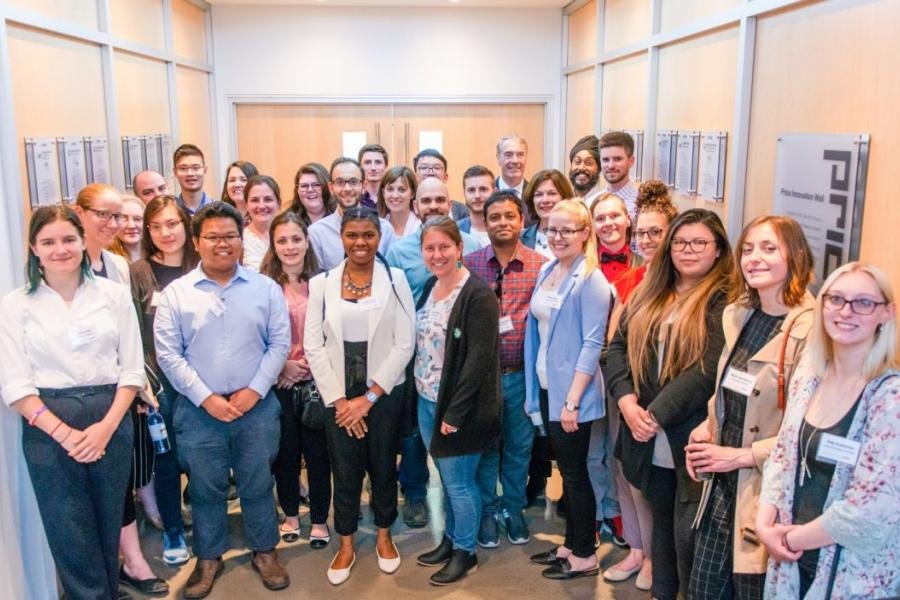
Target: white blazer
116,267
391,339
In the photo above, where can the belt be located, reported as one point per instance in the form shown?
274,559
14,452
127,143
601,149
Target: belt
511,370
87,390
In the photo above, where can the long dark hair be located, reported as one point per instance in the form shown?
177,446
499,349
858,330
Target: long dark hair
189,258
40,218
321,174
560,182
271,264
249,170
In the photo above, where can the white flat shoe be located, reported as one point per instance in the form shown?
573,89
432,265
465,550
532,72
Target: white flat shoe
339,576
388,565
643,583
613,574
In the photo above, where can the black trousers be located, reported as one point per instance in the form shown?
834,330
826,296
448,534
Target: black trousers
672,538
375,454
298,442
81,503
571,450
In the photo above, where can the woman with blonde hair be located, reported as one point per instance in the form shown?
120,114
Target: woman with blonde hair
564,391
614,230
828,506
765,329
661,369
127,243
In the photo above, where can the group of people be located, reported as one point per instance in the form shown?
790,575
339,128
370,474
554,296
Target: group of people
737,434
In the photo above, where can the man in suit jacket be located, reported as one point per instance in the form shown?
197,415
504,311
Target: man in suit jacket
512,156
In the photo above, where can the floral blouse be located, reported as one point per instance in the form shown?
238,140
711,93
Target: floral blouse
431,336
862,510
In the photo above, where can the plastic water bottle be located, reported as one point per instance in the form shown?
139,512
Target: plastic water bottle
538,422
158,433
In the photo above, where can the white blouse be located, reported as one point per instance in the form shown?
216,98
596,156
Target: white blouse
46,344
255,249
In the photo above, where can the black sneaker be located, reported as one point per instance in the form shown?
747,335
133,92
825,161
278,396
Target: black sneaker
438,556
415,514
516,528
461,563
488,534
614,527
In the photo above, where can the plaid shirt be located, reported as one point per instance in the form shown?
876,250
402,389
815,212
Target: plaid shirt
515,288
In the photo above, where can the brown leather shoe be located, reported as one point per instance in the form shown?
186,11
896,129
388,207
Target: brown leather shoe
271,571
201,581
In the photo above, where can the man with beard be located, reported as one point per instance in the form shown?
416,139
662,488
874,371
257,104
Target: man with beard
584,168
616,160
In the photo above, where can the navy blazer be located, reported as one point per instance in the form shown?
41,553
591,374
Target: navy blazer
577,334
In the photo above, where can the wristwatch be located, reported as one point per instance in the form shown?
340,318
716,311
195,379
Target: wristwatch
371,396
571,406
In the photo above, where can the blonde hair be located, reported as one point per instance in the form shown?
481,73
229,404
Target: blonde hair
117,247
882,355
655,299
624,207
577,209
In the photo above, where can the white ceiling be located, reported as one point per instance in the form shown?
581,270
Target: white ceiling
386,3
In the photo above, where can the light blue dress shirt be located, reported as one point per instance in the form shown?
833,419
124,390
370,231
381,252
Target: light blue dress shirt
406,254
325,239
213,339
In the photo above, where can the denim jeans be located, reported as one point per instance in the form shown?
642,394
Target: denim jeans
599,459
462,500
413,470
208,448
167,472
509,463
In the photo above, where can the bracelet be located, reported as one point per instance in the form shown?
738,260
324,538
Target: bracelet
52,431
65,437
36,414
784,543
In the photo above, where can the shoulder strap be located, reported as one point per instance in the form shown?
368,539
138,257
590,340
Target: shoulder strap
787,336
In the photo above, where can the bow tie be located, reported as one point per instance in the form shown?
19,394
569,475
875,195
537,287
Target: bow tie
620,257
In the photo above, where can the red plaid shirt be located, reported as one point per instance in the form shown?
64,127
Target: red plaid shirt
515,289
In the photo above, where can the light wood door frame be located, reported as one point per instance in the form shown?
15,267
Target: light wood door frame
551,114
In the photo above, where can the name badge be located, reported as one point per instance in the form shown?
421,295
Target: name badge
368,304
218,306
552,300
739,382
81,335
834,449
154,299
506,324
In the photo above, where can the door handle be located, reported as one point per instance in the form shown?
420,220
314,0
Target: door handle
377,132
406,142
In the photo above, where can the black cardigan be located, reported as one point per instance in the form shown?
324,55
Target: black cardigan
678,406
469,393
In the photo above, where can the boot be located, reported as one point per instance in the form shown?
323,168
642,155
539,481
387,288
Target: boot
438,556
462,562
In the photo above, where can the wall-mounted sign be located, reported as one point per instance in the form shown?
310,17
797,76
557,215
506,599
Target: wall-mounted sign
72,171
96,150
712,165
132,156
820,180
637,169
152,159
665,157
166,151
687,154
43,172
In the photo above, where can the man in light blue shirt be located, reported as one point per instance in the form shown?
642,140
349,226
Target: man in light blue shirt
325,234
432,200
222,336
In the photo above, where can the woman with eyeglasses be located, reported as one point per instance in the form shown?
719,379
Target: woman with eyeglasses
358,339
292,264
71,366
169,253
655,213
613,229
99,208
395,196
127,243
828,506
765,329
236,176
263,203
660,369
564,334
457,372
312,197
543,191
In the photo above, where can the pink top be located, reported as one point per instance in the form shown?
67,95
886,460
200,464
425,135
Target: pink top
296,302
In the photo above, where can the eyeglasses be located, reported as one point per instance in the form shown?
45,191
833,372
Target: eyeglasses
697,246
435,169
654,233
215,240
305,187
185,169
168,226
860,306
347,182
565,233
105,216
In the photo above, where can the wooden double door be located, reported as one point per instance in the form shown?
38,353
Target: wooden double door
278,138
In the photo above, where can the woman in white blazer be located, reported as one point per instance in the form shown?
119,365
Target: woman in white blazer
360,331
99,207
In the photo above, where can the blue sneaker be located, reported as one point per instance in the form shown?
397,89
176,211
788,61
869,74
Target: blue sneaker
175,550
516,528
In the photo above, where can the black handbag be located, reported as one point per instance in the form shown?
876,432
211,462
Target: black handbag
312,409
